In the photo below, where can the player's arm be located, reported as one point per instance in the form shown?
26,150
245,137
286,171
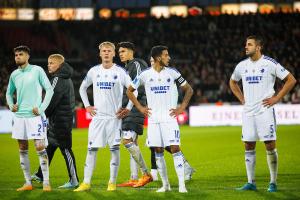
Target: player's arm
236,90
58,88
188,93
83,94
290,82
11,88
130,93
45,83
134,73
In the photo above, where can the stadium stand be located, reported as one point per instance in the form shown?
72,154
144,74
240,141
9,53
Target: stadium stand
204,48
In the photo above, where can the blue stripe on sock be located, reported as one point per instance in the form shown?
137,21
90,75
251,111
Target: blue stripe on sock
179,153
129,145
159,154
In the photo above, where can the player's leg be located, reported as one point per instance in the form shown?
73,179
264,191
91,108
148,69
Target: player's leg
71,166
249,136
162,169
153,165
135,151
113,134
19,133
171,137
89,166
38,176
131,145
155,140
188,170
272,159
25,165
114,166
267,133
128,141
95,140
44,163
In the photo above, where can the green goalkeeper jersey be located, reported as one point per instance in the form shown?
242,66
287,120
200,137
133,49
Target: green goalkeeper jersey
28,84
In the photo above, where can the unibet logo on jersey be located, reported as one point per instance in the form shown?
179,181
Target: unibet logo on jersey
160,89
253,79
105,85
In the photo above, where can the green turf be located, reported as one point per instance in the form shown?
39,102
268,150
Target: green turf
215,152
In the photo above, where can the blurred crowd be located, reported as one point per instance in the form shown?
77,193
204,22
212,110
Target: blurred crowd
205,49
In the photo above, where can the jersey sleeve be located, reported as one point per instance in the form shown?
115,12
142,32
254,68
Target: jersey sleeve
11,88
87,81
139,80
280,71
126,80
179,80
236,75
45,83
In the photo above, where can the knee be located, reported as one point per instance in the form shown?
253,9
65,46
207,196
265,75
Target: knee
270,145
159,149
175,149
127,141
39,145
23,145
250,145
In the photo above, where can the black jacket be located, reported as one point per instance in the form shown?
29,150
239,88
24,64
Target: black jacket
61,107
135,120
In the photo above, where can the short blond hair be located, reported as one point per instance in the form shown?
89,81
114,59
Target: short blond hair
107,43
60,58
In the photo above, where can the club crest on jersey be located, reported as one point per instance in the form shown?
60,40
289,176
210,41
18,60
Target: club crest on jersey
115,76
262,70
168,80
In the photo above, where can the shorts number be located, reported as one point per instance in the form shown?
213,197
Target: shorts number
177,134
39,129
272,128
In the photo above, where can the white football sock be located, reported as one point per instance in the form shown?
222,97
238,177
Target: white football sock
179,167
272,158
89,166
134,170
114,163
44,163
25,166
162,168
136,154
250,161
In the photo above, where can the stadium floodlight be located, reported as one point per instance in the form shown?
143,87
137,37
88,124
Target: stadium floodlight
25,14
8,14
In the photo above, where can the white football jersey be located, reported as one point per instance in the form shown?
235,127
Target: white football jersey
161,92
258,78
108,87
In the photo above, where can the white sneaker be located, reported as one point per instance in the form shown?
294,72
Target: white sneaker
164,189
188,172
182,189
154,174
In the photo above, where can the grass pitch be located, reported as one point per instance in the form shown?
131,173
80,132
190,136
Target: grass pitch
215,152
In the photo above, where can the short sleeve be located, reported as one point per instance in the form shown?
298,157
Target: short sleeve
139,80
126,80
180,81
88,79
280,71
236,75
